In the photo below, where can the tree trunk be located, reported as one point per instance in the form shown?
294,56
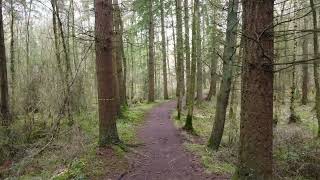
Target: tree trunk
293,114
28,15
118,44
180,71
316,63
229,56
256,132
174,50
30,97
132,68
214,63
151,54
56,38
213,78
68,72
125,73
305,67
164,54
187,46
12,55
190,96
4,89
199,61
105,73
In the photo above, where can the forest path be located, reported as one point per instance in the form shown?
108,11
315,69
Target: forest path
163,156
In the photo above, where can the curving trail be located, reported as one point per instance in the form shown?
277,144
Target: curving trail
163,156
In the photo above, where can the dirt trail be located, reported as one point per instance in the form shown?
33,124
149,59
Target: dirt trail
163,156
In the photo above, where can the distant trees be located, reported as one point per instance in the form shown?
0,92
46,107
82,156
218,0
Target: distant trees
52,71
256,132
108,133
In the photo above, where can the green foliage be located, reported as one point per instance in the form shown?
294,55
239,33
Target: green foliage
75,171
74,153
211,160
296,150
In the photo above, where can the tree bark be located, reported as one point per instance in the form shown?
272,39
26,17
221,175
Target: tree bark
293,114
190,96
199,60
187,46
12,54
68,72
213,68
164,54
4,89
305,67
315,63
256,132
151,54
229,56
124,60
180,71
118,44
105,73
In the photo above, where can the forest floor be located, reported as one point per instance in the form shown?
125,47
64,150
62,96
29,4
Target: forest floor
73,153
163,155
296,148
161,149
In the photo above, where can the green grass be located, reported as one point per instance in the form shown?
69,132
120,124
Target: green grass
210,159
214,162
130,120
74,153
294,144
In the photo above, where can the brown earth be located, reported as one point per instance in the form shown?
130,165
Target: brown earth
163,156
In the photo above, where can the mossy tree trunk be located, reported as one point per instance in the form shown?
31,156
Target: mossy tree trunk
190,96
229,56
214,61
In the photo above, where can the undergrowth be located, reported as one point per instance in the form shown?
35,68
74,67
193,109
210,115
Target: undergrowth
72,154
296,150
